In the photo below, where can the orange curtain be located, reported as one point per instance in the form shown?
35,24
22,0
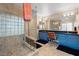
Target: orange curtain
27,11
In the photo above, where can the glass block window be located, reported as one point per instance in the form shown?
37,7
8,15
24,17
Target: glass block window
11,25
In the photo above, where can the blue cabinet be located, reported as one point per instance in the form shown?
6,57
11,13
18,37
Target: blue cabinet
69,40
43,36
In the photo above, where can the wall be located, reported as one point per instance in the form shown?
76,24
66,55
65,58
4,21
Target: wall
11,30
11,8
77,22
10,25
32,29
10,20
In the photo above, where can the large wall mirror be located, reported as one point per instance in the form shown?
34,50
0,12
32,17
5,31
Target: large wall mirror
54,25
67,22
62,21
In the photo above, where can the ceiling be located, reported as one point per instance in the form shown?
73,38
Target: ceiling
45,9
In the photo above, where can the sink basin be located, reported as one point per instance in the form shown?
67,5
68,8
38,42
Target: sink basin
42,41
38,46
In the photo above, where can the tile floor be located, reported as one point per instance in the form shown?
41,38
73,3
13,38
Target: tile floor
50,50
14,47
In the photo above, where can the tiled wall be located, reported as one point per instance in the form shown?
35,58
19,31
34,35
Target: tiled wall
32,26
